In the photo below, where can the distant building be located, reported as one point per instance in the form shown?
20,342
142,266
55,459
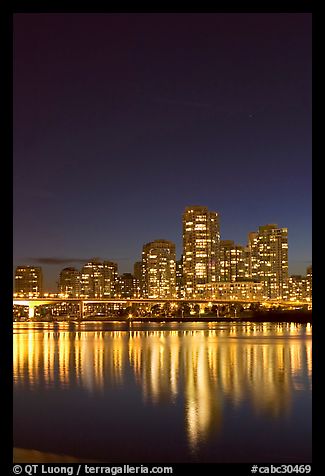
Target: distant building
29,281
92,279
179,278
252,255
98,279
272,264
69,282
247,263
232,261
239,290
126,287
159,269
309,283
110,275
137,272
201,248
297,288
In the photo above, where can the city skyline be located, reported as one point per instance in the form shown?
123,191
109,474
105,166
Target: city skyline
112,130
220,270
53,265
208,267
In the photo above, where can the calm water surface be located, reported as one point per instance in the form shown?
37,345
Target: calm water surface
191,392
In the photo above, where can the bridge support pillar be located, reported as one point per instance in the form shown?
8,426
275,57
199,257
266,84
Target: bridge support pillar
202,307
31,310
82,309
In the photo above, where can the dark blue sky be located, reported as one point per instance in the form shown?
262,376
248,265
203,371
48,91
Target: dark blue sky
122,120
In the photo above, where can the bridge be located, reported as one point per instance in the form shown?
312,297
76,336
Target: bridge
32,302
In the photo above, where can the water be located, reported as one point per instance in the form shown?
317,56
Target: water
192,392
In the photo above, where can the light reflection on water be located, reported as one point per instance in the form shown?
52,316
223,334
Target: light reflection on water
211,376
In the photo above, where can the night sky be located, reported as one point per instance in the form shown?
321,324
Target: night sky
120,121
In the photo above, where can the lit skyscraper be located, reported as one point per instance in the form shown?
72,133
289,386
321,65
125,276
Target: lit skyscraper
126,287
297,288
110,277
252,255
201,246
69,282
92,279
98,279
137,272
232,261
179,278
28,281
309,282
159,269
272,251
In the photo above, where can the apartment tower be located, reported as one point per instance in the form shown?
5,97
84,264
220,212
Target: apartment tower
28,281
201,247
272,268
159,269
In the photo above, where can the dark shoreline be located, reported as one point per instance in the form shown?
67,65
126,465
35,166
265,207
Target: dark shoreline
256,316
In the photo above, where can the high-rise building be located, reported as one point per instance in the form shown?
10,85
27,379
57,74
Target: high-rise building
252,255
159,269
110,276
126,286
232,261
201,247
309,283
272,267
179,278
137,272
69,282
297,288
247,262
98,279
29,281
92,279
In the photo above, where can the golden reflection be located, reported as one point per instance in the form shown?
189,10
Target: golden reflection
202,392
261,364
64,354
